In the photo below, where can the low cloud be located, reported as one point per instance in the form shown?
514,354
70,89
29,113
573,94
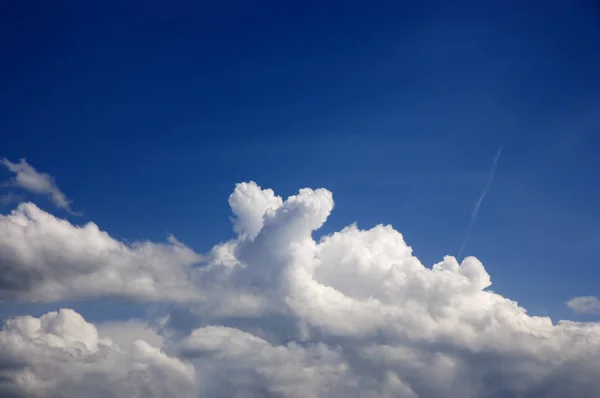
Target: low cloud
61,355
44,258
275,313
29,179
585,305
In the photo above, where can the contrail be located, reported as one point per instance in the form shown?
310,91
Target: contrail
475,211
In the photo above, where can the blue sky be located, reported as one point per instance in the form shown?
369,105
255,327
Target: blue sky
148,115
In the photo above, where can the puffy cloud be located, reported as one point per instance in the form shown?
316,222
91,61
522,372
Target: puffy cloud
28,178
253,367
392,325
61,355
249,203
585,305
43,258
277,314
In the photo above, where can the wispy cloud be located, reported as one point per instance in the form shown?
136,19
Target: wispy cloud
9,198
29,179
475,211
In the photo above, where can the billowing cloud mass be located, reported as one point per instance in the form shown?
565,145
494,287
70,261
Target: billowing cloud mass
585,305
60,355
28,178
43,258
278,314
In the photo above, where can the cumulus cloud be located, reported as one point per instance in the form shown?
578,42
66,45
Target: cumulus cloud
356,314
585,305
44,258
395,326
256,368
249,204
61,355
28,178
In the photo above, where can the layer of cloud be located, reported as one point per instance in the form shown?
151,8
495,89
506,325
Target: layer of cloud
277,314
28,178
43,258
585,305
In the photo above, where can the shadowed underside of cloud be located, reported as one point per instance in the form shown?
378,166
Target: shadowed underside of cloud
274,313
29,179
61,355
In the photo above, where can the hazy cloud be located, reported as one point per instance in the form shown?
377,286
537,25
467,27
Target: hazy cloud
9,197
585,305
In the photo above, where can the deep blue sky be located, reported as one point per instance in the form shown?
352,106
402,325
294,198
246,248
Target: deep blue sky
148,114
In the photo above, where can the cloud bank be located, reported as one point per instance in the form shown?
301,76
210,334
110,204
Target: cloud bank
29,179
274,313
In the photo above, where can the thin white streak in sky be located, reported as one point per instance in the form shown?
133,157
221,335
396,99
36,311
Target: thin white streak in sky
475,211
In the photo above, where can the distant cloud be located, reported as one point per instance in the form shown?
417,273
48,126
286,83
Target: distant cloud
274,313
29,179
585,305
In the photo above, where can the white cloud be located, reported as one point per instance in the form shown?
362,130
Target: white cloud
397,326
275,313
228,360
585,305
43,258
249,203
61,355
28,178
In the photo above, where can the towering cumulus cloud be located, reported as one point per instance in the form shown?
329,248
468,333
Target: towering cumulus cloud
274,313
